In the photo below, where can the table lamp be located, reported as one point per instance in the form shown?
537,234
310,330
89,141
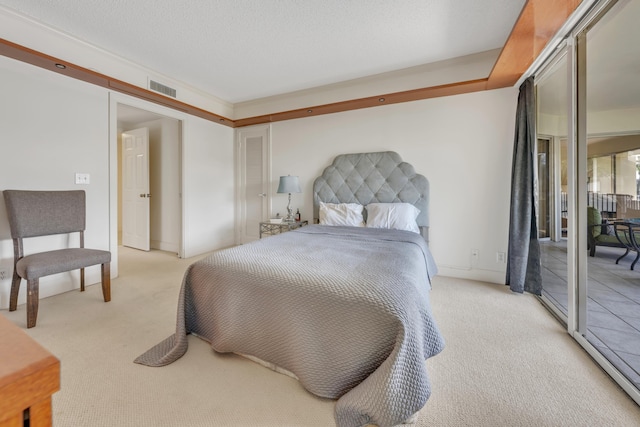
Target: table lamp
289,184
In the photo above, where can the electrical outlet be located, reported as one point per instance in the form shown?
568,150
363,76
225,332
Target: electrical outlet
83,178
501,257
475,255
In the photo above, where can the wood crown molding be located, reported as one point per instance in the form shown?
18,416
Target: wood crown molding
39,59
537,24
371,101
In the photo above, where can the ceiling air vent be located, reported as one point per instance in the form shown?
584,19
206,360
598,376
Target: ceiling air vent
159,87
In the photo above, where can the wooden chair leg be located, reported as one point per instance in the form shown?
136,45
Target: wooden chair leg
32,302
15,288
106,281
82,280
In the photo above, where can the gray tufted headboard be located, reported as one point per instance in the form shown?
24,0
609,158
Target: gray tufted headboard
373,177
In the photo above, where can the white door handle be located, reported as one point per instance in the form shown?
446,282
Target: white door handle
262,195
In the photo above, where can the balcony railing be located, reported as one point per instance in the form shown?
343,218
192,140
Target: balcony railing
611,205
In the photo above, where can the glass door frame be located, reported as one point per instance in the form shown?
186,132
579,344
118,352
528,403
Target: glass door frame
563,51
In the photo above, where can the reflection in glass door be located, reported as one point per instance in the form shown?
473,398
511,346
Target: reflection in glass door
609,135
544,217
551,122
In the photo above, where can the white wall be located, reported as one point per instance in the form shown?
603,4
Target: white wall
462,144
166,182
53,126
208,186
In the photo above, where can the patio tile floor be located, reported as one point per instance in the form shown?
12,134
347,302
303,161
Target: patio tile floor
613,302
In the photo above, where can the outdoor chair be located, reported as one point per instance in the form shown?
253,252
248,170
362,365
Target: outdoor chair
596,236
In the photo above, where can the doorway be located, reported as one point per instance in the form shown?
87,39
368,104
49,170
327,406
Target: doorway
164,196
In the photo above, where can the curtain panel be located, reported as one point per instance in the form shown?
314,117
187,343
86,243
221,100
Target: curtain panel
523,260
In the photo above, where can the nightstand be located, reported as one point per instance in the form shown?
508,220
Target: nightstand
270,228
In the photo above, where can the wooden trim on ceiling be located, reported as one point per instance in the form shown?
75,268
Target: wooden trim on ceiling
30,56
371,101
537,24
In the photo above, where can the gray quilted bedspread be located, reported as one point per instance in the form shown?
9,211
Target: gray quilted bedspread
345,309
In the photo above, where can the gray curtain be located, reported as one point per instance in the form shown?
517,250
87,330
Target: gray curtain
523,260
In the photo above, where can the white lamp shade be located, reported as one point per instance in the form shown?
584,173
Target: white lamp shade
289,184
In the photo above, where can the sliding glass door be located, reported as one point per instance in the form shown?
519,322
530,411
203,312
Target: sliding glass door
588,114
608,64
552,94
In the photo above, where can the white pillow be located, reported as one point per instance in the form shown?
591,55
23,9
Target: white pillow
349,214
396,216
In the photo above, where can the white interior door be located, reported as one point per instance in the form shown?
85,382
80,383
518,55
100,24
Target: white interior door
135,189
254,192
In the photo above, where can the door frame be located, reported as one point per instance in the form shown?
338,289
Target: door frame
116,98
241,135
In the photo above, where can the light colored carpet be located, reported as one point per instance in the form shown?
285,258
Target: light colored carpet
507,362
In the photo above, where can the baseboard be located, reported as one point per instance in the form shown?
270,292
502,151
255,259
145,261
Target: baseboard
163,246
489,276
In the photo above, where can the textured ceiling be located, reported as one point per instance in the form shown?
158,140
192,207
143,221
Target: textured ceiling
240,50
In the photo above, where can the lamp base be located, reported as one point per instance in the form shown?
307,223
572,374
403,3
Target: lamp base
289,217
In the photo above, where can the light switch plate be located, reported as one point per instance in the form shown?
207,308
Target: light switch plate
83,178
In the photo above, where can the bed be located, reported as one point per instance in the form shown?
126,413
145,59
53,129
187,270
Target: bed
343,308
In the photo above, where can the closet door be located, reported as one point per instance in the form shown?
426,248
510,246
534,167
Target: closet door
253,181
